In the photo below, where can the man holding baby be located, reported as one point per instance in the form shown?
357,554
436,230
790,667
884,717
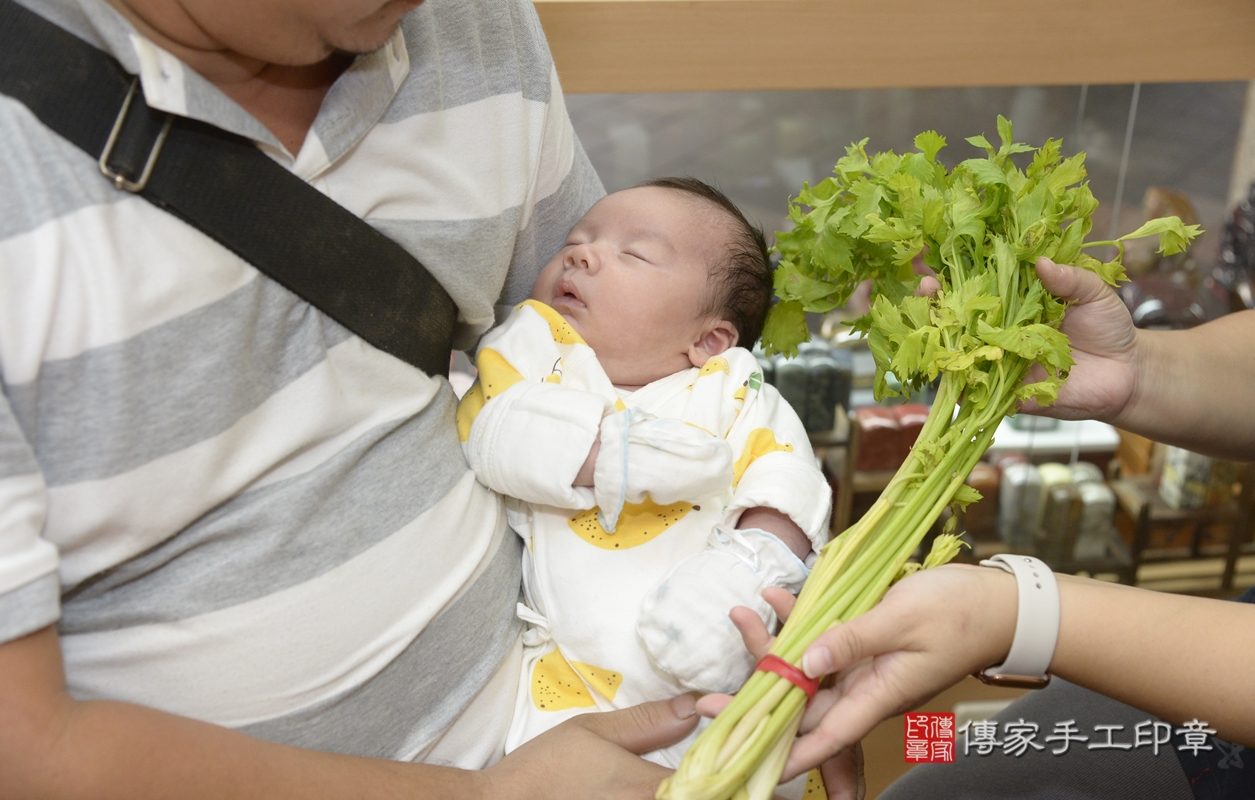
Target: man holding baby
240,551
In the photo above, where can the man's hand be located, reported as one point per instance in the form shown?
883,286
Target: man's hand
594,755
1104,344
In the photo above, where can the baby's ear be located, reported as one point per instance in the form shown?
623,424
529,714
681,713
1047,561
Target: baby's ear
716,337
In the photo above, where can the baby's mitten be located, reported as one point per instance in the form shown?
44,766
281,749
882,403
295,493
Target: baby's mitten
664,458
684,624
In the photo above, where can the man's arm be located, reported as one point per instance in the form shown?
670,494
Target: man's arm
1189,388
53,746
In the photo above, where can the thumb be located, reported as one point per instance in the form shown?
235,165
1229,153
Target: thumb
1070,283
645,727
847,643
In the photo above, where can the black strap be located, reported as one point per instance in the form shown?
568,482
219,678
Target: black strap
223,185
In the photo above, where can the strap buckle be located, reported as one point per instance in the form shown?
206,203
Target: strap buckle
119,180
1012,681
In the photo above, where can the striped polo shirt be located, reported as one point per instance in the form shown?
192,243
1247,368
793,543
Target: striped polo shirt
232,508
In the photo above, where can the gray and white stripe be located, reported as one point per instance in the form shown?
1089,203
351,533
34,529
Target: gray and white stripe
237,510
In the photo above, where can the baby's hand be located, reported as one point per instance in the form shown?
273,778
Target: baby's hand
664,459
685,625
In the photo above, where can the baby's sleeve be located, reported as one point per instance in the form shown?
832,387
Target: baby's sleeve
523,433
775,467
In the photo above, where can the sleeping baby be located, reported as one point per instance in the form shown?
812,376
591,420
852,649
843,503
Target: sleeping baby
656,481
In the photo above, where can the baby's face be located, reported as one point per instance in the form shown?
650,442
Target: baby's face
633,277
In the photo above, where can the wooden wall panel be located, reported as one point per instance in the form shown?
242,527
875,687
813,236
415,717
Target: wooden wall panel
711,45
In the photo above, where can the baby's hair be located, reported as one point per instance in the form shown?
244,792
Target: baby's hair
741,282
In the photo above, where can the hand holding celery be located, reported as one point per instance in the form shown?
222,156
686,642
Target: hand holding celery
981,228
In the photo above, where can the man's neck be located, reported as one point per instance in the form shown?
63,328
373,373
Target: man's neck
285,99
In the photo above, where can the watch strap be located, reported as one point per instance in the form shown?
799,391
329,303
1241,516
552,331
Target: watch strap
1036,624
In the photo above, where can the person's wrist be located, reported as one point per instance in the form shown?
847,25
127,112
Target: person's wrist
994,610
585,476
1143,364
1035,634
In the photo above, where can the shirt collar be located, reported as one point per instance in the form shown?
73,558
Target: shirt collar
352,106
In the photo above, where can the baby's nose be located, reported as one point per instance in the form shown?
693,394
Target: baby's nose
582,257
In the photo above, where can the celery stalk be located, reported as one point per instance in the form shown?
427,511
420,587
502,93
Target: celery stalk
981,228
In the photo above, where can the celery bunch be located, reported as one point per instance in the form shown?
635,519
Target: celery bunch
981,228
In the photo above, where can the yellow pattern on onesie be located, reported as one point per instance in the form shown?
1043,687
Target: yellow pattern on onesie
761,442
638,524
495,376
558,684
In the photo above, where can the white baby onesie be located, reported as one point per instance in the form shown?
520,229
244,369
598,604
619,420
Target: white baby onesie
628,586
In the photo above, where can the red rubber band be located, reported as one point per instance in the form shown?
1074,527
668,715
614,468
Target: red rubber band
790,673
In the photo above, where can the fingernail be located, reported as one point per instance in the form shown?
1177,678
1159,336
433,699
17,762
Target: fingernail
816,662
684,706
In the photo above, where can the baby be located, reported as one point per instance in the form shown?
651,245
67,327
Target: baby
656,481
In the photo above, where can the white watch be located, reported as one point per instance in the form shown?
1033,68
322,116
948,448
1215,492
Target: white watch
1036,624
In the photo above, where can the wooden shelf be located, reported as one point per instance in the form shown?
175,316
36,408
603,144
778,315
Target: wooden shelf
721,45
1139,492
1138,497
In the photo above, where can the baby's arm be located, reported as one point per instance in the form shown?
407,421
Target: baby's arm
528,432
777,524
638,456
684,624
525,434
779,487
585,476
778,515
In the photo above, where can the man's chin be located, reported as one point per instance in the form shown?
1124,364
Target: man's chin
373,32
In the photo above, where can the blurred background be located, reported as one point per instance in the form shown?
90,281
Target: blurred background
759,147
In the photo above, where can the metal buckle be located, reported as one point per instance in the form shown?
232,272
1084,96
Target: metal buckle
119,180
1012,681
